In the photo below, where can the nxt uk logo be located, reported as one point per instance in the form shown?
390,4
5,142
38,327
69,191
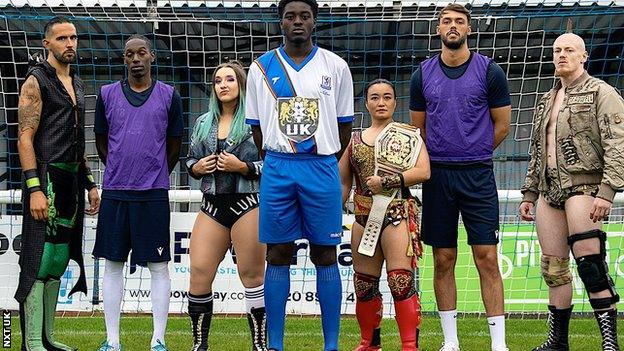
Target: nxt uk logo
6,329
182,240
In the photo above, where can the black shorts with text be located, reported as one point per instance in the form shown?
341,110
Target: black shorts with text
226,209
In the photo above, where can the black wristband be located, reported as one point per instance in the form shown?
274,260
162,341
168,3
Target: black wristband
32,180
34,189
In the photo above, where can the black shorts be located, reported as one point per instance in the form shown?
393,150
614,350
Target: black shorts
226,209
140,226
451,190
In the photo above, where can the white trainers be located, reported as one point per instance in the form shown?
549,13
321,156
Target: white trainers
501,349
449,346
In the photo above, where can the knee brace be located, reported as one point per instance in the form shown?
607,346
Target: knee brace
401,284
366,286
556,270
593,270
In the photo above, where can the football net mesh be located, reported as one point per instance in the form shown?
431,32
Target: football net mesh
378,39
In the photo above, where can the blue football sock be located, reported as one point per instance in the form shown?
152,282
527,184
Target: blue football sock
330,299
276,289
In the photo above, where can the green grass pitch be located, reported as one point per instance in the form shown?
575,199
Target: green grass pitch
304,333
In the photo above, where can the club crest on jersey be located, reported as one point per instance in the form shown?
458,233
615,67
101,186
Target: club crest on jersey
326,82
298,117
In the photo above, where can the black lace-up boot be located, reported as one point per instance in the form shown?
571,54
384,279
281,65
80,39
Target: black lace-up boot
257,326
558,324
607,322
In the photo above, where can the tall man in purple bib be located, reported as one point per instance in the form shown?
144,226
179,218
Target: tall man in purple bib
138,128
460,101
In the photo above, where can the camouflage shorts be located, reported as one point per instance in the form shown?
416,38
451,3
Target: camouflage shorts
556,197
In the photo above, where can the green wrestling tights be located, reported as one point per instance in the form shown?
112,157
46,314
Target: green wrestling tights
40,304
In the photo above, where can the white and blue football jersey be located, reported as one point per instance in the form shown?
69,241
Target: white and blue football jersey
298,107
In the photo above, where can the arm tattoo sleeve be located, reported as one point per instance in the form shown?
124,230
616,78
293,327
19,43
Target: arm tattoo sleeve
29,108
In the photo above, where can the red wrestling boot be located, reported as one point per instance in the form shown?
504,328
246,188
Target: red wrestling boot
408,320
369,315
406,307
368,310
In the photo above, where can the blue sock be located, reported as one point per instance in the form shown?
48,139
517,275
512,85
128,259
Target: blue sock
330,299
276,289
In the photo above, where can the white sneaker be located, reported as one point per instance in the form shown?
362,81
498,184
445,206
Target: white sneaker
502,349
449,346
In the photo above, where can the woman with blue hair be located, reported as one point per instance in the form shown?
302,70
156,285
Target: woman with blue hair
223,155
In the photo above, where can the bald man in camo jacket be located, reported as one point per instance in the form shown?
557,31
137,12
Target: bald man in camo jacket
576,168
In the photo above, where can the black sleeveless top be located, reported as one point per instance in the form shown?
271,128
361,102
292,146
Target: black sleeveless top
60,136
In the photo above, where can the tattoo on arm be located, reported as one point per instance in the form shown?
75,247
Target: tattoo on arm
29,107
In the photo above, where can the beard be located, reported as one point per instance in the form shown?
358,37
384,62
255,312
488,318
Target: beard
454,45
63,58
563,72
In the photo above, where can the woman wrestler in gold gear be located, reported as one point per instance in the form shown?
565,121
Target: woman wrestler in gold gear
398,245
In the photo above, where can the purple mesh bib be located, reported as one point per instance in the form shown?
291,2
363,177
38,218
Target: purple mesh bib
137,139
459,126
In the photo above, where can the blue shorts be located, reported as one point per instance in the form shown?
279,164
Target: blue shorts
140,226
300,197
466,189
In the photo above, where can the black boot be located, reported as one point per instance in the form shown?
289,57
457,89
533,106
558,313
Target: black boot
607,322
558,325
257,326
200,321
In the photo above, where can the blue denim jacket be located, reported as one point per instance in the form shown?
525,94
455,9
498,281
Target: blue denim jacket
246,151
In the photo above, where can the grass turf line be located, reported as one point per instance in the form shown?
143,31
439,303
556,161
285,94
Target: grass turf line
231,334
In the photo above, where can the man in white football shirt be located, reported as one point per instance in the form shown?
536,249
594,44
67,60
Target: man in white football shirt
300,105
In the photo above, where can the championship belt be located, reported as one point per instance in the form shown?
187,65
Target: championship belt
396,150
